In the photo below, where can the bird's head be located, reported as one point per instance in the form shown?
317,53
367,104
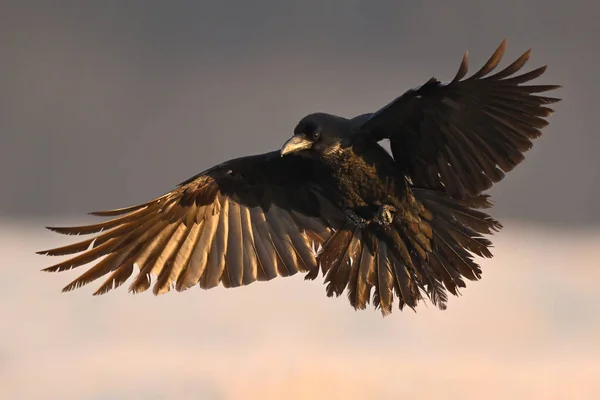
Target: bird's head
317,134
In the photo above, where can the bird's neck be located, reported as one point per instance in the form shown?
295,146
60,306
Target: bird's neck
338,158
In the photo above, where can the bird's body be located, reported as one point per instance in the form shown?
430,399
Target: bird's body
363,172
405,224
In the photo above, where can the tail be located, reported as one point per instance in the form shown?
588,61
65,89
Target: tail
426,252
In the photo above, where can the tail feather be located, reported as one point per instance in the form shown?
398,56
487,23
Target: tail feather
360,293
427,252
384,295
338,276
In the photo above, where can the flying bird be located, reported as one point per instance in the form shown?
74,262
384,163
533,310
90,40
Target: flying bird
386,228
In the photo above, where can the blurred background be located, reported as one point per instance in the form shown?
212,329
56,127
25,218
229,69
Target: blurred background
104,104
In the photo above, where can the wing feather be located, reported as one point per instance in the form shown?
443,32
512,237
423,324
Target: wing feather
464,136
248,219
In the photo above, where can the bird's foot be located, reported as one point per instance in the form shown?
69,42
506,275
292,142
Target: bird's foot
385,215
355,219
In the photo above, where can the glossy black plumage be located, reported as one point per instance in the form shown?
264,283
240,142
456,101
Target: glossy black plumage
333,200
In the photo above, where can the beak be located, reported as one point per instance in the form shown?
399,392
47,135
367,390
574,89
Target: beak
294,144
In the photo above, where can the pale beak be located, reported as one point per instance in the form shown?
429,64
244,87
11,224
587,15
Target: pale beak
294,144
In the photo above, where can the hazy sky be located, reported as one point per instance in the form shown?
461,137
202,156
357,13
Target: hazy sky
109,103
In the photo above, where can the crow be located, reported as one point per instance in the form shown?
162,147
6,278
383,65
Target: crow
381,226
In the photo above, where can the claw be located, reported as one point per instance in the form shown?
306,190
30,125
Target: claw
385,215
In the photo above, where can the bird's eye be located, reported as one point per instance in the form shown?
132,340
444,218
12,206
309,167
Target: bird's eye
316,135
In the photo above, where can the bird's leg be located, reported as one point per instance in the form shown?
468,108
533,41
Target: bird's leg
355,219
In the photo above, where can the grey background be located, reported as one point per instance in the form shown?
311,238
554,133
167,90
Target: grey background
109,103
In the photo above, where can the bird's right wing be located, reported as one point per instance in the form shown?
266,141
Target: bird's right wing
248,219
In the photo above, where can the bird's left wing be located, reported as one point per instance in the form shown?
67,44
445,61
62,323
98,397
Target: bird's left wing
248,219
462,136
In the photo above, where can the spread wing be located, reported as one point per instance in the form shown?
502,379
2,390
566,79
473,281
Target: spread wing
462,136
248,219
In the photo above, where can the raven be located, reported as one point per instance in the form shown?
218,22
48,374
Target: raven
407,224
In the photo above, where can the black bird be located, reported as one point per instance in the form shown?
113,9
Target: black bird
332,199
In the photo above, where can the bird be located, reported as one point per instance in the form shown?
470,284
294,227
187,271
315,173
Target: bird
390,228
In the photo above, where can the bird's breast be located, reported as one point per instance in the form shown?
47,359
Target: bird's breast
364,181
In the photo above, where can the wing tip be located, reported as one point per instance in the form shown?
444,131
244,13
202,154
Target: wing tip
105,213
463,68
503,44
70,287
58,229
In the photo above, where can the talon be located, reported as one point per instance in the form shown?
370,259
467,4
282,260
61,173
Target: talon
385,214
